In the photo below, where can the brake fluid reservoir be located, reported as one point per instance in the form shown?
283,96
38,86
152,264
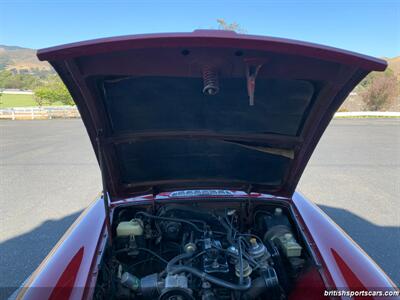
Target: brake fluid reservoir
132,227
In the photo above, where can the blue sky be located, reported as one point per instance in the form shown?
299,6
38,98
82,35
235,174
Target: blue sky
366,26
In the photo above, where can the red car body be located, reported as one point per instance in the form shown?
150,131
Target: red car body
70,270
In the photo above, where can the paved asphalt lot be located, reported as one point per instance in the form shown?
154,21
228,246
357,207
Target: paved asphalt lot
48,175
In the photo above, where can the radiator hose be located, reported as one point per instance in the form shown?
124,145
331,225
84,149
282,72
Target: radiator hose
266,285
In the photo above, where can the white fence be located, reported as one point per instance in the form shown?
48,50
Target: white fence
39,113
53,112
16,92
388,114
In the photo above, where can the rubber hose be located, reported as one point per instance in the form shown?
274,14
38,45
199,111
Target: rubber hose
177,258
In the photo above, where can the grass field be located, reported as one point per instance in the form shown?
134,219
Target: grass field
19,100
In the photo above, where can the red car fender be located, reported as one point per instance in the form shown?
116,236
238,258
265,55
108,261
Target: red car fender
64,274
346,264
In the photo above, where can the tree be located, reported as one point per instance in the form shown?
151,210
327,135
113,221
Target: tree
15,80
42,95
379,90
53,91
223,25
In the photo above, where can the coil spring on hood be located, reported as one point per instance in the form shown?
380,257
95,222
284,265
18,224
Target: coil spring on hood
210,80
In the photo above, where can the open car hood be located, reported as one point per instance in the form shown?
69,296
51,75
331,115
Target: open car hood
207,109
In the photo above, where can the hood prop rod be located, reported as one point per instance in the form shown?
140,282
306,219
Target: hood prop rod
252,68
105,195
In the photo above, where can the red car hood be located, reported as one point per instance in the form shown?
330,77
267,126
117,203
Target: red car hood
207,109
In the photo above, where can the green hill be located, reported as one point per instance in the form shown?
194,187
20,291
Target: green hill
22,60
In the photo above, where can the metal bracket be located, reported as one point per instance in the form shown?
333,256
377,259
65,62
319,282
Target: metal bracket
252,68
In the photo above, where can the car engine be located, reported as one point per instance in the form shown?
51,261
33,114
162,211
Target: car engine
180,252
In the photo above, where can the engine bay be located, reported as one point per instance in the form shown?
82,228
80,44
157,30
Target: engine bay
180,252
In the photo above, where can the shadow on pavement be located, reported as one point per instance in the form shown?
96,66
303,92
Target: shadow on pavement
21,255
381,243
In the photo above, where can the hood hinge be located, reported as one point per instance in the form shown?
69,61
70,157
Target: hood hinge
99,140
154,194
